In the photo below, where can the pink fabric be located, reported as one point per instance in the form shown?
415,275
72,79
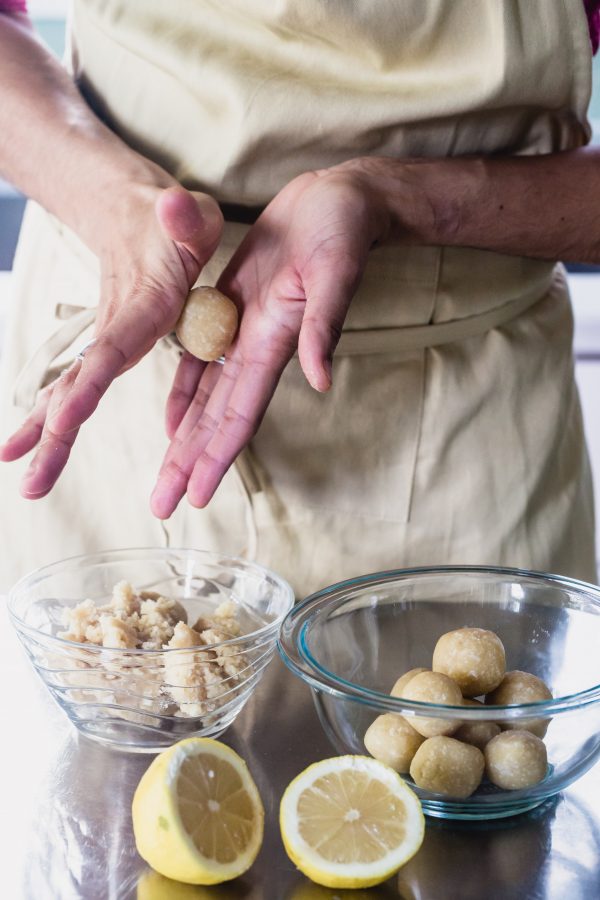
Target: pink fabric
592,11
12,6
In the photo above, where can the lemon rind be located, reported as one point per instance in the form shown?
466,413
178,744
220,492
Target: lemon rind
344,875
172,852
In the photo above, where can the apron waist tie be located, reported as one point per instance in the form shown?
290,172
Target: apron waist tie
39,370
417,337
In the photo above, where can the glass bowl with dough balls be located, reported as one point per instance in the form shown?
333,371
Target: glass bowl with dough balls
142,648
480,686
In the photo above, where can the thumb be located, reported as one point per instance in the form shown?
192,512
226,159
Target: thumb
328,297
191,219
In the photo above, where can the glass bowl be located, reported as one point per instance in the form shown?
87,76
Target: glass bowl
145,700
351,641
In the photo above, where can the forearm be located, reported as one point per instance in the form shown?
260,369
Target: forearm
541,206
52,147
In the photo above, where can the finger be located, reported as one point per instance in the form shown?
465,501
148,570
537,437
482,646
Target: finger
129,336
54,450
206,385
28,434
329,292
253,389
193,220
181,395
193,434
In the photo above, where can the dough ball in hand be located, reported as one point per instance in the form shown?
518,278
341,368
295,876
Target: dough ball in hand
447,766
207,324
473,657
392,741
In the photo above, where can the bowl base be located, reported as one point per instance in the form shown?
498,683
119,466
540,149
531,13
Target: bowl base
124,746
462,811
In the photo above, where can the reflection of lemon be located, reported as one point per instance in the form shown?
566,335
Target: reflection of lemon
152,886
197,814
308,890
350,821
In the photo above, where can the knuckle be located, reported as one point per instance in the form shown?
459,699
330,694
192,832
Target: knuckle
237,424
107,341
176,471
327,331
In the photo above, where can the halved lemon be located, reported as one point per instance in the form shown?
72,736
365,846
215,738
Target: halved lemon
350,822
197,814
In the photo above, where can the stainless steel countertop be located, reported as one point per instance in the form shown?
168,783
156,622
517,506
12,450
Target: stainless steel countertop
66,827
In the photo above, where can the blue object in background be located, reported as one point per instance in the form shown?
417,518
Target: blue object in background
12,204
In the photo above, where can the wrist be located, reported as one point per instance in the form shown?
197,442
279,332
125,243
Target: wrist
420,201
109,189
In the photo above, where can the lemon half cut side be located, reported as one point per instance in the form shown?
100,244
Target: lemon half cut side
350,822
197,814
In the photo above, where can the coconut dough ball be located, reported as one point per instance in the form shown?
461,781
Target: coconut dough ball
432,687
515,760
392,741
207,324
521,687
401,682
473,657
476,733
446,766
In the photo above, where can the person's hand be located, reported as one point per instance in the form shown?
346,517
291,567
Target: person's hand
293,278
150,254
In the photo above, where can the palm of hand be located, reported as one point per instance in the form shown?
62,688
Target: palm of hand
293,278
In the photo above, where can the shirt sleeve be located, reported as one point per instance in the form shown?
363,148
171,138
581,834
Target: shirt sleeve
592,10
13,6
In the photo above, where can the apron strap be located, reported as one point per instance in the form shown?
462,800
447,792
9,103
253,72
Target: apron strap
34,374
38,371
416,337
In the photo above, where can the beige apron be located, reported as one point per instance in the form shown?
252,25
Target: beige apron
453,430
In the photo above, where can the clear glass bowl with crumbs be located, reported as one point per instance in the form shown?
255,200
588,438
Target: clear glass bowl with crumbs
142,648
351,641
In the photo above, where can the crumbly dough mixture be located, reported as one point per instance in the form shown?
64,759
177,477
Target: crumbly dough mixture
149,621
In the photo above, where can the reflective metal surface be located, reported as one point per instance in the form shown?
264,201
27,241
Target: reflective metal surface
66,827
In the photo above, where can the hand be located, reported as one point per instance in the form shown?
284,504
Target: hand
293,278
151,252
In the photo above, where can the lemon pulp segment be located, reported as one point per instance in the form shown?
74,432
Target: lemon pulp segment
197,814
351,817
350,821
215,808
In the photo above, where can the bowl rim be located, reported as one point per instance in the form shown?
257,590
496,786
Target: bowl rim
293,651
36,575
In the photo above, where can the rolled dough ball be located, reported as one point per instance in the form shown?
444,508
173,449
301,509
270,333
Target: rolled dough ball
473,657
515,760
207,324
391,740
476,733
521,687
447,766
433,687
401,682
